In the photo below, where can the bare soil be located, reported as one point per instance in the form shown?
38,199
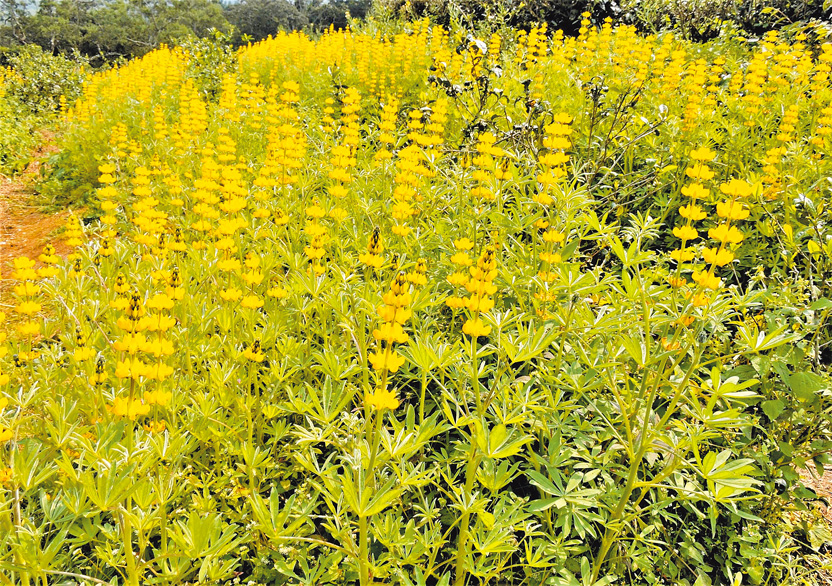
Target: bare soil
24,228
823,486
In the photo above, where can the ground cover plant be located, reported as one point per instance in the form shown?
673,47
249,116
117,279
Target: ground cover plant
411,305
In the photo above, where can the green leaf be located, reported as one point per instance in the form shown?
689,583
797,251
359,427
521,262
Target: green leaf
756,341
773,408
804,385
822,303
543,483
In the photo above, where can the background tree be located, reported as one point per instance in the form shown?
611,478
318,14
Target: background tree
13,15
325,13
260,18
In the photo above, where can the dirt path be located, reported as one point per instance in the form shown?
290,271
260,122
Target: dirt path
24,229
823,487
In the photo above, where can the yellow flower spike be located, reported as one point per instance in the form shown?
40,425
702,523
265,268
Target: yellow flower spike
157,323
475,328
375,246
391,313
391,333
6,434
83,354
158,371
23,262
699,171
382,399
29,328
252,261
458,279
706,279
229,265
703,154
124,407
132,368
28,307
375,261
315,211
386,359
550,257
280,217
401,230
736,188
699,300
26,289
732,210
725,234
254,353
692,212
685,233
158,347
683,254
231,294
160,301
463,244
553,235
462,259
251,302
717,256
159,397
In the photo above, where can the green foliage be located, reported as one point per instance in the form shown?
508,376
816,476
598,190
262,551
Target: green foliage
32,91
703,19
18,135
41,82
601,423
257,19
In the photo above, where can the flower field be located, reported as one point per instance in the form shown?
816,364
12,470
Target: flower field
403,305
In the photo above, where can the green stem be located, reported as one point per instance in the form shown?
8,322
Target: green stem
462,541
249,404
374,449
422,397
127,539
612,523
24,576
475,379
363,557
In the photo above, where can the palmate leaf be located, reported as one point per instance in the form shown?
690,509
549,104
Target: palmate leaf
499,441
755,341
281,523
324,402
529,343
725,478
362,499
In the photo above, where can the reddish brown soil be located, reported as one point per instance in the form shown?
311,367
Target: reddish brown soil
24,228
823,486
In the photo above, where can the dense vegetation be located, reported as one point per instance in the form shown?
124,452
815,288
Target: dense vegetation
413,304
104,30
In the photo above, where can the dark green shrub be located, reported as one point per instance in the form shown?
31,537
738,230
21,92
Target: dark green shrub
41,79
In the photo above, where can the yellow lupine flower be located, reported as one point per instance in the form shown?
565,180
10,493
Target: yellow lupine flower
475,328
732,210
717,256
692,212
725,234
382,399
685,232
386,359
